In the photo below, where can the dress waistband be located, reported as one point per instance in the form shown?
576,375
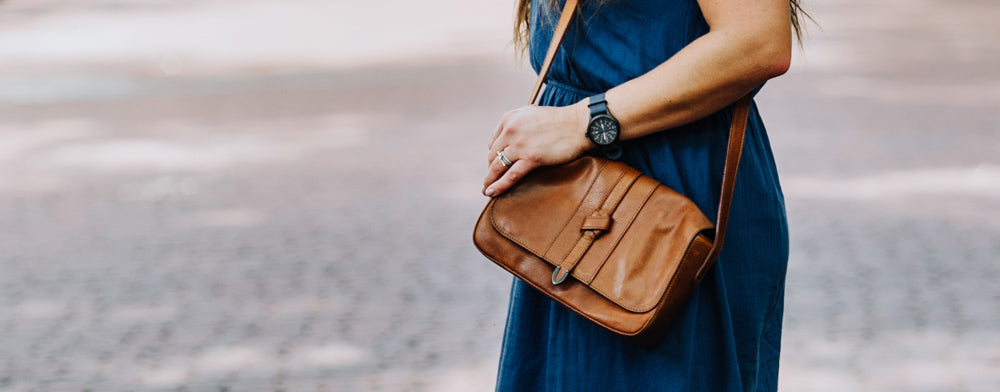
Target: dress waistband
569,88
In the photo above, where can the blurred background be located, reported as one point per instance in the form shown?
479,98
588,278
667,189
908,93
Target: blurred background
223,195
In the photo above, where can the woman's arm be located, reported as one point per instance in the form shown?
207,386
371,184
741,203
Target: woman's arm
749,41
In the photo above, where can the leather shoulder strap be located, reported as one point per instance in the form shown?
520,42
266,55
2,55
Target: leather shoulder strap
557,37
737,130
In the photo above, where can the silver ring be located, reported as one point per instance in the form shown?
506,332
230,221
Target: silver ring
504,160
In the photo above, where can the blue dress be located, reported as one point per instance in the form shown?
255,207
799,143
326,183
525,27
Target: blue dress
728,337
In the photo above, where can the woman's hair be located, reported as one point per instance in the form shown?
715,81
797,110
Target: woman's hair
524,8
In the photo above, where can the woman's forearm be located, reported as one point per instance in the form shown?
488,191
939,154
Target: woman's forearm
749,42
710,73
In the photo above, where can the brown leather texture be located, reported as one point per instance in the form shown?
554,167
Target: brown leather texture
612,245
623,282
550,220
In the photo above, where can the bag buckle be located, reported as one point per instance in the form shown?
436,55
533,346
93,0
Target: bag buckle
556,279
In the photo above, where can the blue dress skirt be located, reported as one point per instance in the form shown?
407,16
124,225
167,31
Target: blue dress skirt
728,337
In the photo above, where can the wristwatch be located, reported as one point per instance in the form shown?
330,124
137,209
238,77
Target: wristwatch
603,128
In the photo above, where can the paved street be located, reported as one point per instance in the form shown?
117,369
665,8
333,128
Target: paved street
278,195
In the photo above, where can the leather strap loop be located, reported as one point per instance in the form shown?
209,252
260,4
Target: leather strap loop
600,221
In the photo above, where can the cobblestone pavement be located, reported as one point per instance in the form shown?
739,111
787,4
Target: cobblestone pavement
199,219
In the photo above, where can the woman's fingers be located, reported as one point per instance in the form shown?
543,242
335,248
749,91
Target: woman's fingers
504,121
531,136
508,178
499,142
496,134
496,170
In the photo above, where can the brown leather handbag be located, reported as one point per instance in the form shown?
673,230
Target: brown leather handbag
609,243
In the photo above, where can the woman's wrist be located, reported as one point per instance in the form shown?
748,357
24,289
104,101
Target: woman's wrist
580,119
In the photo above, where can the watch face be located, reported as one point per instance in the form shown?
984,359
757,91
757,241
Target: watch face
603,130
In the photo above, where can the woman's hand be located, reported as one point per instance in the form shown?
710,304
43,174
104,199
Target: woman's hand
532,136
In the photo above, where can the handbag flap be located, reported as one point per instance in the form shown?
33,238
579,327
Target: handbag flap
535,212
546,215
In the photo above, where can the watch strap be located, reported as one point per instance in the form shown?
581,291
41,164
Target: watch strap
598,105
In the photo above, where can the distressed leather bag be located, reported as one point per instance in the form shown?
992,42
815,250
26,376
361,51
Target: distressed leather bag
609,243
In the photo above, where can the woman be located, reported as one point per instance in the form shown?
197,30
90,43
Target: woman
668,69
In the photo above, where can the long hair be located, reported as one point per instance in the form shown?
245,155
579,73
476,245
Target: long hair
521,21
